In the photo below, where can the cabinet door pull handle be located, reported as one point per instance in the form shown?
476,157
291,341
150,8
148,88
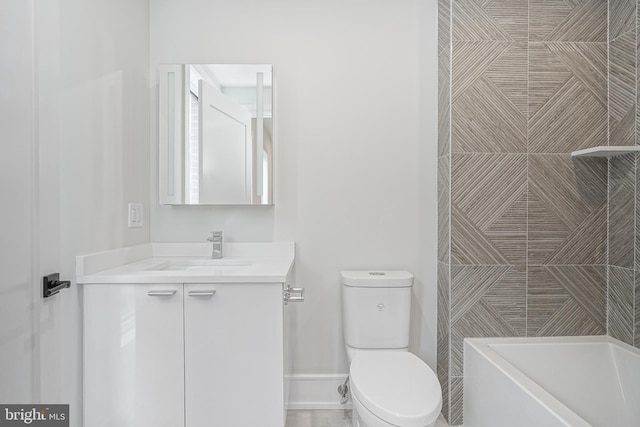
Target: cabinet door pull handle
201,293
160,293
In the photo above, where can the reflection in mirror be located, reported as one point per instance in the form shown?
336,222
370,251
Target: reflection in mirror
216,134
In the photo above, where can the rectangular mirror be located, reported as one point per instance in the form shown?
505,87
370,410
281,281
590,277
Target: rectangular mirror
215,134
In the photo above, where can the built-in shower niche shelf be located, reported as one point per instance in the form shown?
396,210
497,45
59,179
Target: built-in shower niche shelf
606,151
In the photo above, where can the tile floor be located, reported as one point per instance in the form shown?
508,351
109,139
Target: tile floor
329,418
319,418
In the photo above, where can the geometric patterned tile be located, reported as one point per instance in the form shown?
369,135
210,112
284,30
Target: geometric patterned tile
620,315
545,16
636,303
622,17
444,103
587,62
470,61
637,80
511,15
621,210
508,74
566,300
443,378
483,20
569,21
456,393
486,301
567,210
444,25
636,233
444,77
443,315
547,75
444,208
636,251
443,352
443,332
637,77
636,311
488,205
526,77
623,132
489,97
567,96
498,287
622,88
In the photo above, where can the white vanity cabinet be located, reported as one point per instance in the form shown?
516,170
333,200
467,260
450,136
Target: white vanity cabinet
234,355
192,355
133,355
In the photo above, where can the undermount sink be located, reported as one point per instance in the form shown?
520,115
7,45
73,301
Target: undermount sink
203,264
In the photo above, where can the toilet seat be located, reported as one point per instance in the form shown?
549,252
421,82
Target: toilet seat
397,387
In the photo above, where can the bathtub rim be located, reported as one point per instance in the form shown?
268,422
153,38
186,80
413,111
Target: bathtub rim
526,384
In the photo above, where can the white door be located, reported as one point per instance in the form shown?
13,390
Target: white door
225,138
62,137
32,339
234,355
19,380
30,330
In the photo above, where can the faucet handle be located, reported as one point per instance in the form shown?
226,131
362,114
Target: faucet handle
215,235
216,247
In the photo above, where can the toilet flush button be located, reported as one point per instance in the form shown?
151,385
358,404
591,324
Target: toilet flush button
380,307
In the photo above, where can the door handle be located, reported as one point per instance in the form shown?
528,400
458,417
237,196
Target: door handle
202,293
52,285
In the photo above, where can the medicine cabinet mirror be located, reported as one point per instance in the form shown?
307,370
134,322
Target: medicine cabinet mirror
215,134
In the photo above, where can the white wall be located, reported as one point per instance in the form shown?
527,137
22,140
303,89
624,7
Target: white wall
348,108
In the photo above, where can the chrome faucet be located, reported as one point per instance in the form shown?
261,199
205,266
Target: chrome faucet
216,244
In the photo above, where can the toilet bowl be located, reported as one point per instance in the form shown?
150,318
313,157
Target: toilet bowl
389,385
393,389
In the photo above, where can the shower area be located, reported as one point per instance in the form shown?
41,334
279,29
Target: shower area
533,241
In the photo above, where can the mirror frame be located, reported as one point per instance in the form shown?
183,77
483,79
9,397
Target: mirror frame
173,136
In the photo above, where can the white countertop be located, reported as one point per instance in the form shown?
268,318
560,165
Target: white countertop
187,263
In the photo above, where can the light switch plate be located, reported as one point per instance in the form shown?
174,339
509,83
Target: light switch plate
136,213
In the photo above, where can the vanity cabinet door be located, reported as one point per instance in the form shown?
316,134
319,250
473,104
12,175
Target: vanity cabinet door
133,355
234,355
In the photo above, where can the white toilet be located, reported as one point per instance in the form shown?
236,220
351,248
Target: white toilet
389,385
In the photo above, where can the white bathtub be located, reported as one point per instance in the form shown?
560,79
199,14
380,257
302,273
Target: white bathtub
559,381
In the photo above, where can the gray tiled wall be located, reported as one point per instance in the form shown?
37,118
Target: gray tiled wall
623,308
524,242
636,300
444,188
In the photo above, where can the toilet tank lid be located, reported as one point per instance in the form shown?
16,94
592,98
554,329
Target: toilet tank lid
377,278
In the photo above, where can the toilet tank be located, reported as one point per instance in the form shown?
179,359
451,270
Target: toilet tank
376,308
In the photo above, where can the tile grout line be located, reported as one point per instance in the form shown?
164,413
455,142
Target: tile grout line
526,270
609,161
635,189
449,346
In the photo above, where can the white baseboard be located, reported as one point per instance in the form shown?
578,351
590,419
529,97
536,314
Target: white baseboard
316,391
